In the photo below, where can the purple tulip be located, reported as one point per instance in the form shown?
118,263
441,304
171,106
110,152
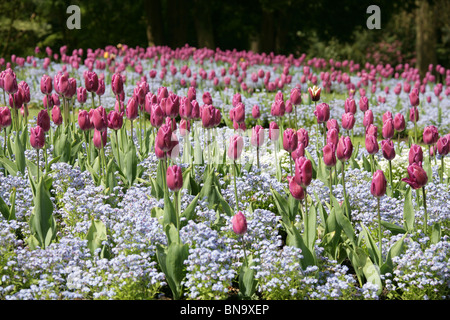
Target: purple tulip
43,120
379,184
235,147
37,137
329,154
239,223
388,149
399,122
56,116
100,138
430,135
295,189
348,121
303,171
344,148
322,112
174,178
417,177
371,144
290,140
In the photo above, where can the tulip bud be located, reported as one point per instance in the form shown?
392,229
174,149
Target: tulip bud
43,120
84,121
164,137
5,117
115,120
329,155
388,129
348,121
430,135
172,107
303,171
239,223
37,137
10,81
371,144
185,108
101,87
56,115
378,185
81,95
235,147
388,149
91,81
239,113
290,140
417,177
174,178
46,84
191,95
322,112
100,138
414,114
364,104
296,96
368,118
415,154
278,108
255,112
99,118
208,116
344,148
350,105
399,122
257,138
303,137
387,115
207,99
117,84
274,131
332,124
295,189
156,116
443,145
414,98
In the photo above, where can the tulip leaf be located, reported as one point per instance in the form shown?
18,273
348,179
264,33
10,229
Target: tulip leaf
393,228
374,251
96,235
343,221
295,239
282,206
395,250
169,210
436,233
311,227
4,209
189,212
131,164
42,223
408,212
20,153
247,281
10,166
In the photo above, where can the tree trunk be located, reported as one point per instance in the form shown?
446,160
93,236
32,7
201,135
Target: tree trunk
203,24
425,36
153,12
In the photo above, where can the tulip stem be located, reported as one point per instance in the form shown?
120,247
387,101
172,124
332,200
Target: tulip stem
118,149
4,145
379,228
442,165
257,156
132,131
425,209
390,175
37,152
345,194
177,214
415,126
324,134
331,190
245,253
235,188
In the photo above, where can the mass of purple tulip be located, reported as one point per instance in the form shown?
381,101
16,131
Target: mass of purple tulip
110,119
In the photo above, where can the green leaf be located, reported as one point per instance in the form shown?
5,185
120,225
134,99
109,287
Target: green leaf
20,154
189,212
408,212
393,228
10,166
96,235
436,233
343,221
311,227
395,250
131,164
372,274
374,251
171,261
4,209
247,281
296,240
282,206
42,223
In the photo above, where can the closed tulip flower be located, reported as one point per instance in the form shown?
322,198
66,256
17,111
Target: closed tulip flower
387,115
364,104
274,131
91,81
303,137
117,84
164,137
100,138
368,118
239,223
207,99
344,148
303,171
295,189
81,95
115,120
172,107
132,109
99,118
414,98
257,138
388,149
10,81
239,113
156,116
101,87
388,129
322,112
25,89
290,140
43,120
61,81
371,144
56,116
329,155
379,184
46,84
417,177
296,96
208,116
350,105
37,137
192,94
332,124
372,130
278,108
399,122
298,152
174,178
415,154
430,135
5,117
443,145
84,120
348,121
185,108
413,114
332,137
256,114
235,147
